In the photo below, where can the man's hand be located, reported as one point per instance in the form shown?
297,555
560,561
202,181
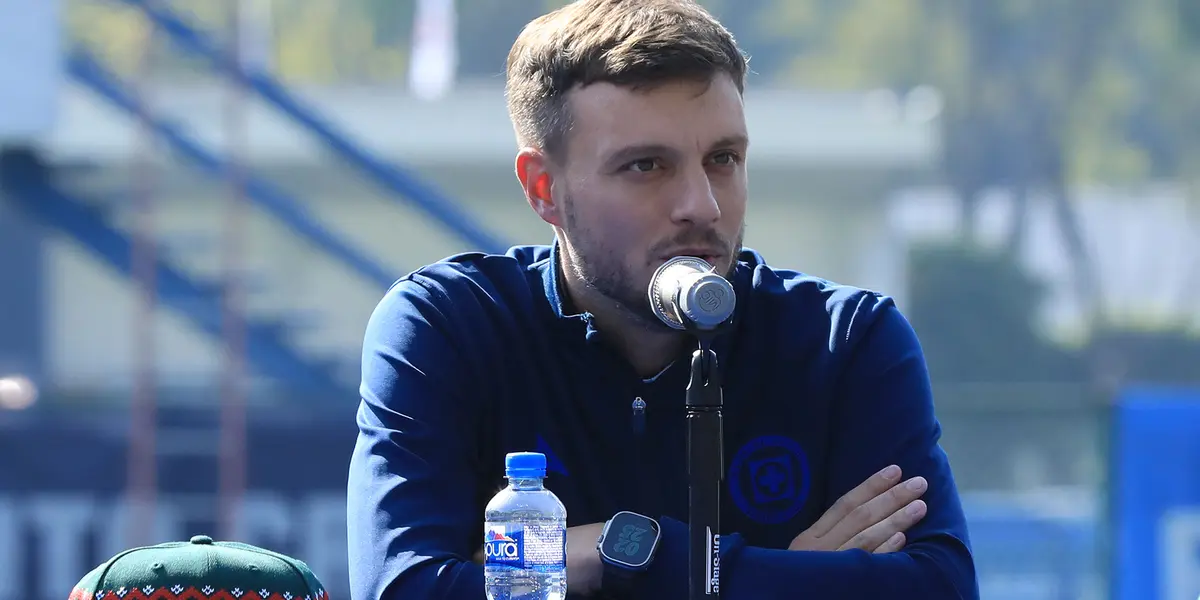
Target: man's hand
584,569
871,517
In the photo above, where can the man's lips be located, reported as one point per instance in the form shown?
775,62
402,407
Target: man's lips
708,255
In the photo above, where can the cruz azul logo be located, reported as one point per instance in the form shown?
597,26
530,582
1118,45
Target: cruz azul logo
504,545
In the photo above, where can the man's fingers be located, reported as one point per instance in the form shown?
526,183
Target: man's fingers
872,487
878,509
883,534
894,544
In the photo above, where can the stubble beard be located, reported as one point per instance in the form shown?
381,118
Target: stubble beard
601,270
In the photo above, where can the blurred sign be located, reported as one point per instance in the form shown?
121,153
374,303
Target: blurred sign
64,509
1156,495
1028,547
30,68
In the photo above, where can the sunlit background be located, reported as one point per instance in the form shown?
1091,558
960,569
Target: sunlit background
201,201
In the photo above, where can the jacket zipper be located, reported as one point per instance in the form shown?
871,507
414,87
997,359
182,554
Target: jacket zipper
638,409
639,417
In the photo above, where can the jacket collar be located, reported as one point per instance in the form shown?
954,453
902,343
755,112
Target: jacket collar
576,325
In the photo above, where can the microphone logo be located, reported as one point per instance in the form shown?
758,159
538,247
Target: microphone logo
710,297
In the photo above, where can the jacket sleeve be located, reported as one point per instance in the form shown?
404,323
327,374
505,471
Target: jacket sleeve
884,415
410,496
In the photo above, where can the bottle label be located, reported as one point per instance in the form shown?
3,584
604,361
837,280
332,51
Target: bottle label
520,546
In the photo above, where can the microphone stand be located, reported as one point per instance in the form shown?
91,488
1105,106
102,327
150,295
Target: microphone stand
706,466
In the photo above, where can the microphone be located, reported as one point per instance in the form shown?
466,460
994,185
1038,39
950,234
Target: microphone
685,293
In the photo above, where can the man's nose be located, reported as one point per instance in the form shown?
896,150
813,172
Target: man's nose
696,202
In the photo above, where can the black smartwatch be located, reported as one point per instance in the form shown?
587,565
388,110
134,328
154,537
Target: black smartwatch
626,546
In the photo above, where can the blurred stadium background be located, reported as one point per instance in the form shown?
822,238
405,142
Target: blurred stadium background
202,200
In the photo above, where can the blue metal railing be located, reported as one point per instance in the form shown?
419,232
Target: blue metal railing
391,177
267,347
87,70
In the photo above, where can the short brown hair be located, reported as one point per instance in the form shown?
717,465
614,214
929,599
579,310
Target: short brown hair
635,43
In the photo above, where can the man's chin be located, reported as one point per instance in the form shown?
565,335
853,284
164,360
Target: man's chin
639,313
644,317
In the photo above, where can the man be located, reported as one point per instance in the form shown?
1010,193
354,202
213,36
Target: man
633,142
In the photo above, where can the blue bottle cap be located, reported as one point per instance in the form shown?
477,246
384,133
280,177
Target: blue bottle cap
525,465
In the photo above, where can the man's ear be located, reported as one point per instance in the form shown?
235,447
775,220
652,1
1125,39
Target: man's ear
533,171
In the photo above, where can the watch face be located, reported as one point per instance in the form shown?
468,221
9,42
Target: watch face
630,540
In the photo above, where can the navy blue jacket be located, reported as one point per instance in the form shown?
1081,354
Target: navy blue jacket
476,356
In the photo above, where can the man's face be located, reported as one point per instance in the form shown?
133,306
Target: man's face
649,175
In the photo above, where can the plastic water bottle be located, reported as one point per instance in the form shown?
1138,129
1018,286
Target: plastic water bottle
525,535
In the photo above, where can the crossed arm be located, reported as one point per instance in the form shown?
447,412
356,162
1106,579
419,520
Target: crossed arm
872,517
413,528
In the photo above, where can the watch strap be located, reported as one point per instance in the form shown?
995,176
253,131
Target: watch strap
617,581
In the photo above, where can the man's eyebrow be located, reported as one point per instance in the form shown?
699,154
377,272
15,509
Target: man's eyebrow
737,140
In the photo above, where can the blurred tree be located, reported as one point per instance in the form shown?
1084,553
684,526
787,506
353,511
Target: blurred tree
391,21
952,286
1010,67
1040,95
324,42
1189,19
118,35
486,30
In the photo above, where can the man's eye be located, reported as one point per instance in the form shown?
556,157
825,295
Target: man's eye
726,158
644,165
